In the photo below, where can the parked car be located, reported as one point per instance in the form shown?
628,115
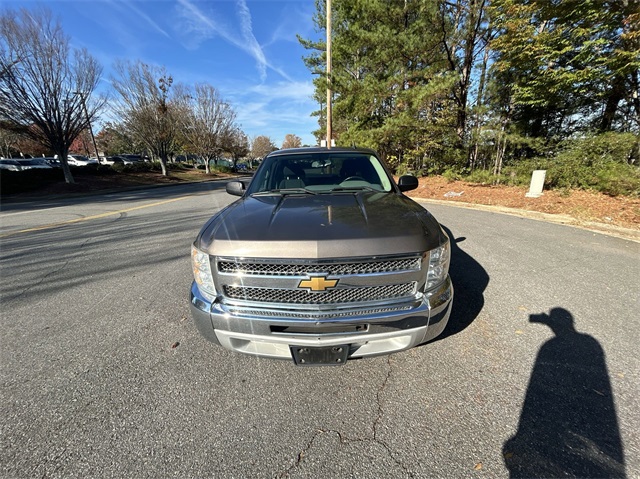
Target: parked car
114,160
53,162
133,158
322,259
34,163
11,165
79,160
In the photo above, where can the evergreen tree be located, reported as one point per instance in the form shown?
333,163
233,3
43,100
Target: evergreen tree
390,81
566,66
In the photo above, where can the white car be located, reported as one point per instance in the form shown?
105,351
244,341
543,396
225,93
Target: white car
113,160
80,160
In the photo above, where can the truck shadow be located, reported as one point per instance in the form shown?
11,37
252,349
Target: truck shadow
469,280
568,426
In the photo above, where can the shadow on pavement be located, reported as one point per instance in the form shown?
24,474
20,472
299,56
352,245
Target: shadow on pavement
469,280
568,425
144,192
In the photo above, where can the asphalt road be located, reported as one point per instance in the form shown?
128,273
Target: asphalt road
103,373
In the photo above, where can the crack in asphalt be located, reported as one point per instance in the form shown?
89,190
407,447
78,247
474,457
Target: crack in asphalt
346,440
36,284
379,418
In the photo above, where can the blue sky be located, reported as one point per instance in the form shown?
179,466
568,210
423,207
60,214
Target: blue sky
246,49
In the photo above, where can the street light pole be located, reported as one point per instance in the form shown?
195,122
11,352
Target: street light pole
86,113
329,132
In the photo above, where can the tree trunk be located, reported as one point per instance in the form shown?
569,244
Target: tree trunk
611,105
501,145
473,157
497,167
635,96
163,165
62,156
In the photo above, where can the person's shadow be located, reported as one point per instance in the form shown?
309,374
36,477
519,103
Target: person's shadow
568,425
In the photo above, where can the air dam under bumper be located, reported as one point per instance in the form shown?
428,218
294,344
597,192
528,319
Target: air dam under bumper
367,331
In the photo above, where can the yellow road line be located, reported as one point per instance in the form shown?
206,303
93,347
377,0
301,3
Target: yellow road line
92,217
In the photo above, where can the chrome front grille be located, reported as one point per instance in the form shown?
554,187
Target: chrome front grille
250,268
307,285
334,296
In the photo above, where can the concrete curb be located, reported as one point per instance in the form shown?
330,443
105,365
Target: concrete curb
603,228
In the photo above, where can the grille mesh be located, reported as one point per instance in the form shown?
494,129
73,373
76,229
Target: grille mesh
316,315
303,269
334,296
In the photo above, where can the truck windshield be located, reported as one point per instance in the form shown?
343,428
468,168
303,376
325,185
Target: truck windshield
320,173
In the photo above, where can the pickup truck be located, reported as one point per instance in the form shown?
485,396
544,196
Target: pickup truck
321,259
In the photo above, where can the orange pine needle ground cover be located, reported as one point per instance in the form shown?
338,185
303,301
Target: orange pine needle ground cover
582,205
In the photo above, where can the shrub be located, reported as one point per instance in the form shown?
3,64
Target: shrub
602,163
138,166
105,170
175,166
28,180
219,169
452,175
484,177
618,180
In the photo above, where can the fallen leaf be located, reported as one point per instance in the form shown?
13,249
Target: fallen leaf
518,331
478,466
508,455
522,308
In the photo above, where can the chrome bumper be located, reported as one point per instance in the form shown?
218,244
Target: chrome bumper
368,332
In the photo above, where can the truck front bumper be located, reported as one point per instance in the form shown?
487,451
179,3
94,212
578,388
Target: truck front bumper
369,331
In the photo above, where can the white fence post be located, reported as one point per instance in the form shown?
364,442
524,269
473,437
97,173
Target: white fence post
537,184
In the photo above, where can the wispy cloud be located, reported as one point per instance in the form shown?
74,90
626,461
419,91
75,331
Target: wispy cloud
121,5
295,21
199,27
290,102
290,90
252,44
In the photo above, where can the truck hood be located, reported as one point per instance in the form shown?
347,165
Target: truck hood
362,224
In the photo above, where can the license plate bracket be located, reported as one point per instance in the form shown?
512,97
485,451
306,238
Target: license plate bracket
320,356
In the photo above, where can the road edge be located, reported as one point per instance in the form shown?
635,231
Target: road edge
602,228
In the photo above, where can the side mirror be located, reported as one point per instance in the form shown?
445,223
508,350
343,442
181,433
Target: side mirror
235,188
407,183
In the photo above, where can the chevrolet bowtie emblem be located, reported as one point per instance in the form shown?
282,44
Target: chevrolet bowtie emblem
318,283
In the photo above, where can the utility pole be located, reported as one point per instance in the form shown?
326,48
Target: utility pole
86,113
329,132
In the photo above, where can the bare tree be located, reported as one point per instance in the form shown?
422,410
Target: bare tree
114,138
237,144
43,83
207,123
291,141
8,140
261,146
149,107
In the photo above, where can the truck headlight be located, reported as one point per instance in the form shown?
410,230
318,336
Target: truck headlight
438,265
202,271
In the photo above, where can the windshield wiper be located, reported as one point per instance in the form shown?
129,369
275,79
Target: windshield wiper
354,188
285,191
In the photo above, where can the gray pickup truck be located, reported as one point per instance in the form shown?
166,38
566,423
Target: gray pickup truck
322,259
